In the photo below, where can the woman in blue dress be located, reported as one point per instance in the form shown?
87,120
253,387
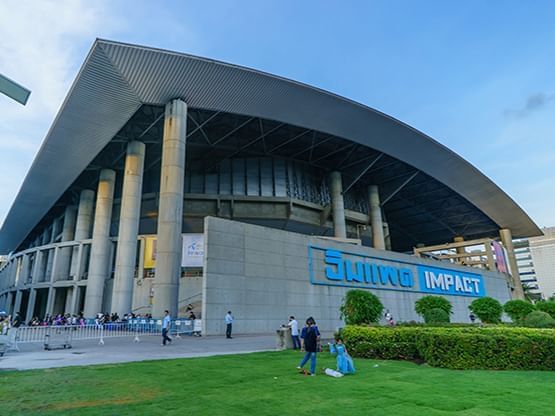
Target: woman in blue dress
344,361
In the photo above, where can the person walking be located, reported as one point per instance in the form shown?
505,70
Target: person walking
294,325
311,340
166,323
228,324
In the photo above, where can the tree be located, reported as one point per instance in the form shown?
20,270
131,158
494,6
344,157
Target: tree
427,303
361,307
488,309
547,307
517,309
436,316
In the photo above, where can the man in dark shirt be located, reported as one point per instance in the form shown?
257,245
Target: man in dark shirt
310,345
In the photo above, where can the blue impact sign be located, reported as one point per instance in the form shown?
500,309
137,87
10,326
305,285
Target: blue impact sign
341,268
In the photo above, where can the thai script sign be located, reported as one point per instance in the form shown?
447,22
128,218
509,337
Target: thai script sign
341,268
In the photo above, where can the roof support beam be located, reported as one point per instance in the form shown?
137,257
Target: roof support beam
405,182
239,127
204,123
366,169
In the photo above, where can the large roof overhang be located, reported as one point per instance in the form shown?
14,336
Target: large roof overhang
117,79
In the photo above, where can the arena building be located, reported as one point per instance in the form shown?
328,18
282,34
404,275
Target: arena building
169,180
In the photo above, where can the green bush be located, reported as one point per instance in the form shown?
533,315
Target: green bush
548,307
361,307
538,319
436,316
427,303
488,309
458,348
517,309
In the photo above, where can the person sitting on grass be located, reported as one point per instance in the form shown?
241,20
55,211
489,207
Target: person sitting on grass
345,363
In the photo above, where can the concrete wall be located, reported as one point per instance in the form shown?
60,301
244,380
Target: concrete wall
262,275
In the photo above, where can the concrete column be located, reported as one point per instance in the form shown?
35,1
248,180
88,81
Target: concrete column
460,250
337,205
387,236
37,267
50,301
68,233
101,245
9,301
83,227
56,225
375,213
17,305
72,299
31,305
130,214
170,212
25,271
507,240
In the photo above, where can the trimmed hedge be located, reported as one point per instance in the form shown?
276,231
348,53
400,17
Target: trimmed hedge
538,319
498,348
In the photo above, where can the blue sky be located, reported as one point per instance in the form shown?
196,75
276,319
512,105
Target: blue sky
478,76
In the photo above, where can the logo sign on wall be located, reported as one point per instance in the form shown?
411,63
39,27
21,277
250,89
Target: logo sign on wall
332,267
192,254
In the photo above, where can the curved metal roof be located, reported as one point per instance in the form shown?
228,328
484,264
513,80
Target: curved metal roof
116,79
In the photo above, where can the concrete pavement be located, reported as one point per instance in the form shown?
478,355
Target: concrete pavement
121,350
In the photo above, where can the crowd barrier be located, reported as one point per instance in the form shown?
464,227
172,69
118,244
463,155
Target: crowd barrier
133,328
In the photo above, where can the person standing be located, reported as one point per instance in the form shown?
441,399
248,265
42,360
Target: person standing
17,321
311,340
228,324
166,323
294,325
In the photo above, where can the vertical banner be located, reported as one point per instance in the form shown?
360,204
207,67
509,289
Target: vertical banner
150,253
500,258
193,250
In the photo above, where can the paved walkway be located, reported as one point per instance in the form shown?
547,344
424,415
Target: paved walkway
120,350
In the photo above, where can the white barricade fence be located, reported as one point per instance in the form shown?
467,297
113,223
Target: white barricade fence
132,328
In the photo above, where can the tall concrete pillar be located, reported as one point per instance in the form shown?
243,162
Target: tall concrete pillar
61,272
337,205
170,211
101,244
130,214
376,221
507,240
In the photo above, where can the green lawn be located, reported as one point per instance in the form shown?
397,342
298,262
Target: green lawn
268,384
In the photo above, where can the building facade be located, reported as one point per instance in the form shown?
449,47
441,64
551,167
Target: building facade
112,216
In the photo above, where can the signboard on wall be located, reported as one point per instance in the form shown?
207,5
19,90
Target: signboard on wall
332,267
192,254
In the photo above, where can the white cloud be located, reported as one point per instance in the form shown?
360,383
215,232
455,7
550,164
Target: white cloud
43,43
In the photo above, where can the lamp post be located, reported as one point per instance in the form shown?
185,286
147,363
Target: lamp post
13,90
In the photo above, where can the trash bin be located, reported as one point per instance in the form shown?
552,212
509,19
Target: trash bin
283,339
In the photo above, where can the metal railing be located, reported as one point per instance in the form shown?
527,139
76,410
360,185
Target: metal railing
133,328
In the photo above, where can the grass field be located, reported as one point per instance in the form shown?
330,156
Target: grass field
268,384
